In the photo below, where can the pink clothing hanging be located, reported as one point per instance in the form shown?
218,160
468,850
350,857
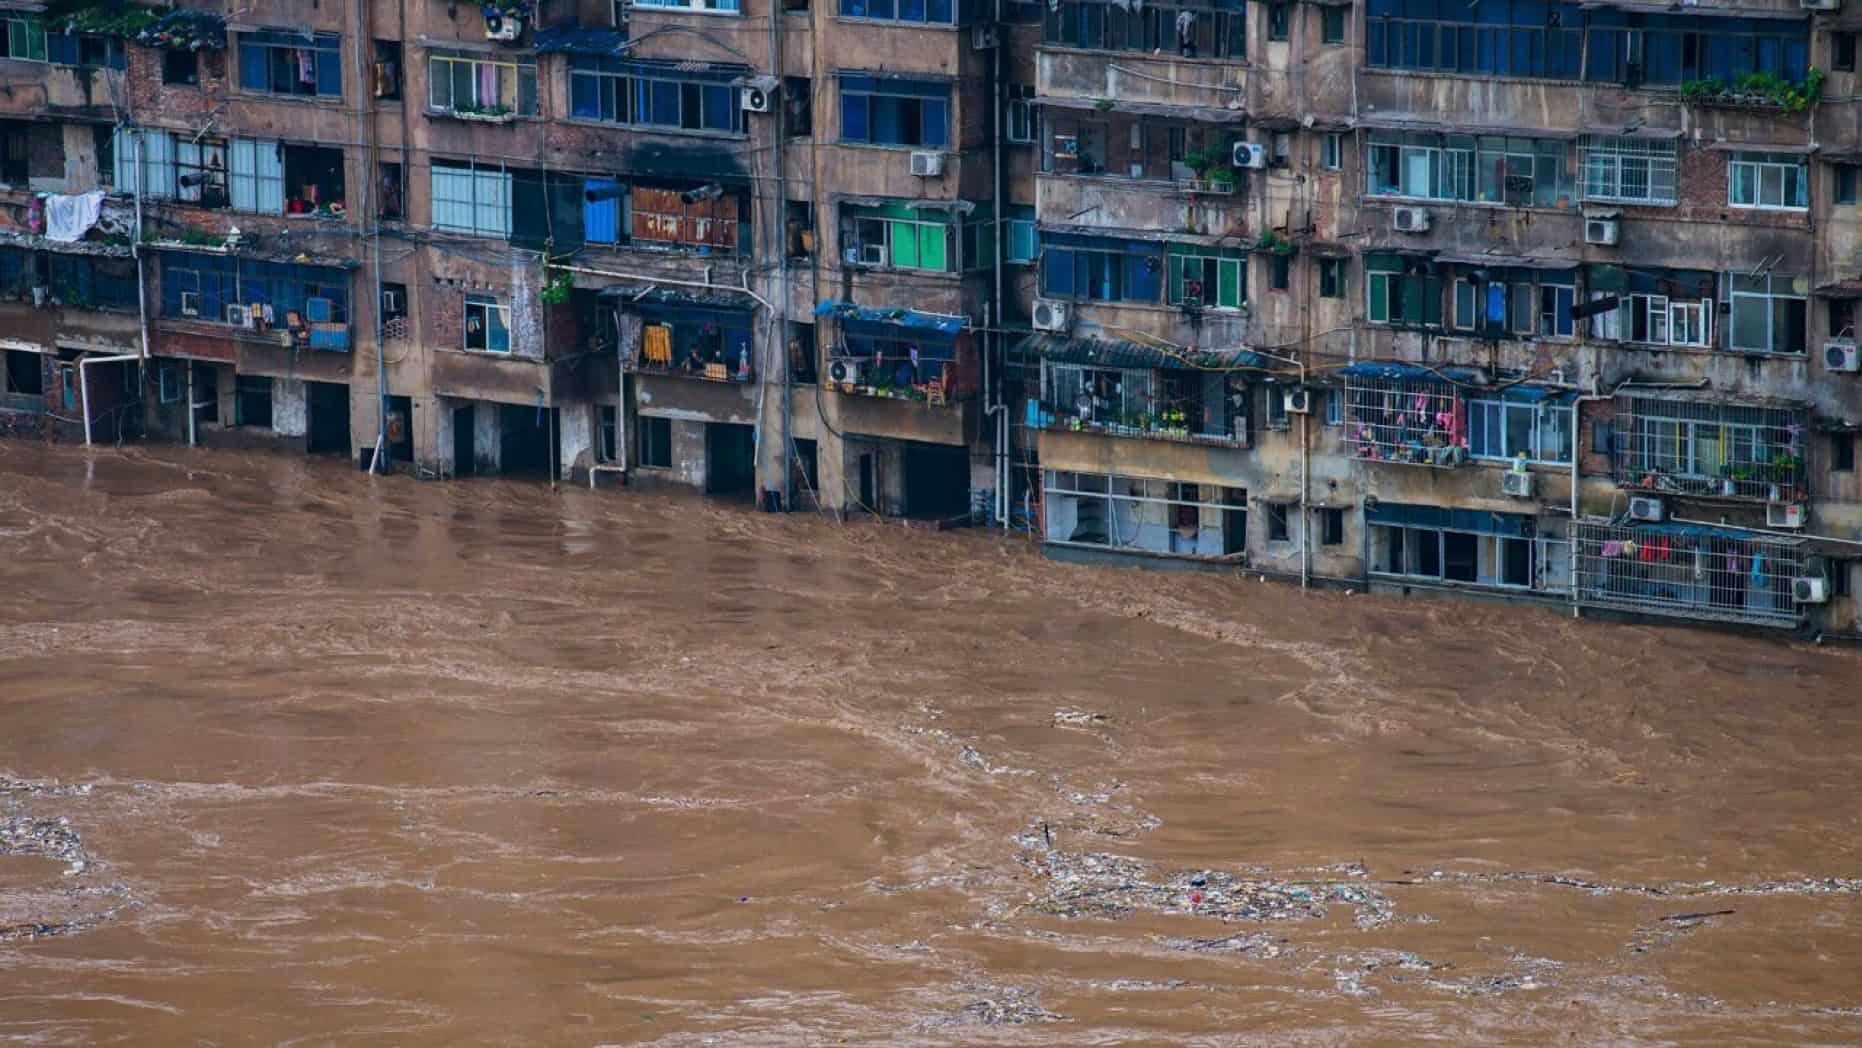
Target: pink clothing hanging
306,66
487,85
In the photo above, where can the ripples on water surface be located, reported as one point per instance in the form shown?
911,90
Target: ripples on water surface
352,759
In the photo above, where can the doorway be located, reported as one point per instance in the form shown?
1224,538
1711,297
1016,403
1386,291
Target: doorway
328,403
524,444
730,459
400,430
465,457
937,481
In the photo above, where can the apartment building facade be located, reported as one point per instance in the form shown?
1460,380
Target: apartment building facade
1543,300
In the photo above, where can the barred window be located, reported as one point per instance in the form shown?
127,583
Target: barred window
1633,170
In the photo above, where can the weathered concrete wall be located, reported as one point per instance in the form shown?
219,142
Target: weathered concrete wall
290,407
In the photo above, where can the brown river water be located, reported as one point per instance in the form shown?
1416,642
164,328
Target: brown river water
289,754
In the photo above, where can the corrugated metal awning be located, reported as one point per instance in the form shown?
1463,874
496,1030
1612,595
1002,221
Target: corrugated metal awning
1203,114
1439,125
1798,148
1508,261
1124,353
910,318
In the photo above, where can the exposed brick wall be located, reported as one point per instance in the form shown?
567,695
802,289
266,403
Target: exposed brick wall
176,105
446,315
1593,460
199,345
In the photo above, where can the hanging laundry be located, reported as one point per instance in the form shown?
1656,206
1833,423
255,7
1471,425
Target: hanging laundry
487,85
1612,549
306,66
68,218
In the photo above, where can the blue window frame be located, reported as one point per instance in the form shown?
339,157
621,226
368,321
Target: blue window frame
85,49
886,112
217,281
655,94
602,204
282,62
927,12
1101,269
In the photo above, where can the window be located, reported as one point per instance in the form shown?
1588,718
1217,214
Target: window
1277,522
1332,25
798,106
393,192
180,67
1518,301
888,112
1663,321
1505,429
1332,147
85,49
655,442
93,282
25,39
1400,290
252,401
471,85
934,12
487,324
23,375
1019,118
1334,407
1842,452
1331,278
1101,269
1845,190
1281,267
1278,16
1843,52
1219,30
1489,168
168,379
393,302
1208,281
286,62
472,199
1631,170
1708,448
1769,315
1023,246
729,6
387,71
897,236
669,95
200,287
1839,577
1277,409
256,180
1767,181
1331,521
1444,555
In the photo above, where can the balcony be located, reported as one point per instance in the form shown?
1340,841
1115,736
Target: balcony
1124,389
1703,449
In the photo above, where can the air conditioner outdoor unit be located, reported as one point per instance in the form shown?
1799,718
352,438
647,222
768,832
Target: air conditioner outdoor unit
1250,154
871,255
1516,484
1810,590
1409,220
1784,515
1839,354
1642,507
927,165
1297,401
843,372
1600,231
190,303
503,27
1050,316
239,316
393,303
759,94
983,36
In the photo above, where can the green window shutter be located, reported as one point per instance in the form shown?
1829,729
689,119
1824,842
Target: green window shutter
1176,277
1228,283
904,245
1432,301
1379,287
932,251
35,40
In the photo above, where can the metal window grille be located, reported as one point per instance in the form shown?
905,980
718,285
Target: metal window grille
1413,421
1693,573
1640,170
1706,449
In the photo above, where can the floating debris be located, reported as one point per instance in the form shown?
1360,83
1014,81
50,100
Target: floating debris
1068,717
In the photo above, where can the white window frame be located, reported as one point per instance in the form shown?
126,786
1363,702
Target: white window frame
1018,121
1606,161
1239,266
509,77
1020,227
486,306
1332,152
255,176
1541,414
703,7
1767,297
1757,166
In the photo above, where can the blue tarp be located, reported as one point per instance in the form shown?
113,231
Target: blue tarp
1381,369
909,318
1120,353
1697,531
573,39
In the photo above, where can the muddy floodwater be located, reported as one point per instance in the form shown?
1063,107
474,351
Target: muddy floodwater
289,754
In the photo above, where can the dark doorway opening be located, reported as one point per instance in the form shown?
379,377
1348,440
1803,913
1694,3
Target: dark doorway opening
1460,557
328,403
730,459
465,457
400,430
869,482
805,471
524,439
937,481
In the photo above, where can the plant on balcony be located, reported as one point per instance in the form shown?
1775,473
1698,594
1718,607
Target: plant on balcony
1272,240
1757,90
557,287
121,20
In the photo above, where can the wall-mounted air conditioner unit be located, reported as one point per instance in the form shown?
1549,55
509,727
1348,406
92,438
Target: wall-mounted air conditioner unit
843,372
503,27
1839,354
1297,401
1784,515
1410,220
927,165
1642,507
759,94
1050,316
983,36
1601,231
1810,590
1250,154
1516,484
239,316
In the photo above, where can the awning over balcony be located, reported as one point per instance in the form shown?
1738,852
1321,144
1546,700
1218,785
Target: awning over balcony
1523,392
1508,261
1121,353
1203,114
571,38
1479,521
844,312
1428,122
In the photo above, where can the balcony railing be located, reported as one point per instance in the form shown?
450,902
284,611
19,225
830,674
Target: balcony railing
1710,450
695,367
1042,415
